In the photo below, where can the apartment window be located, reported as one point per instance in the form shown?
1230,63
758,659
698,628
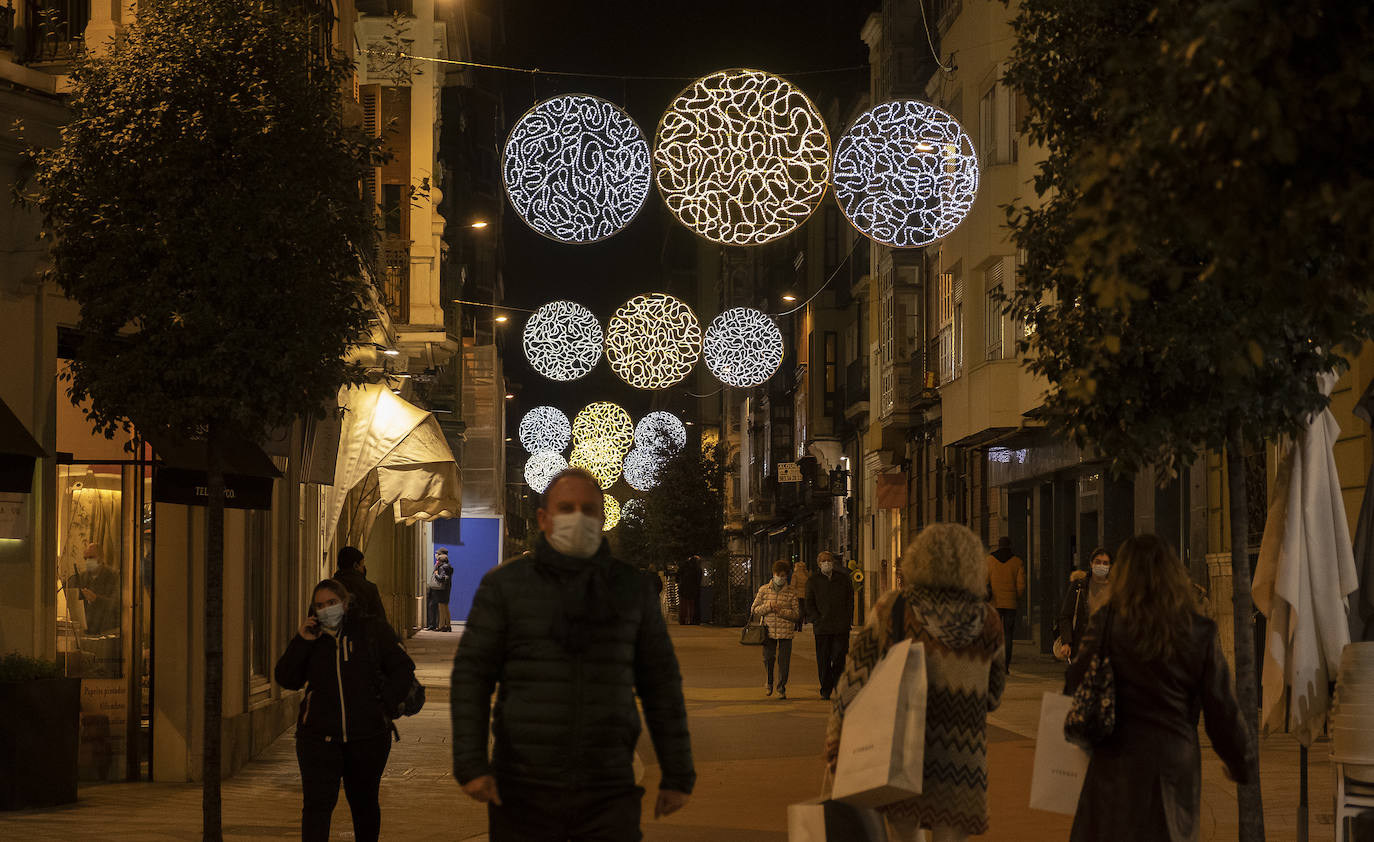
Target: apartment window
996,125
947,347
831,371
993,284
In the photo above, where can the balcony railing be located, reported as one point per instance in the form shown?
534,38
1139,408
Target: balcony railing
52,29
394,275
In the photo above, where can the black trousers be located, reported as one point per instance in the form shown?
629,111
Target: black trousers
781,651
1008,616
831,650
359,764
531,813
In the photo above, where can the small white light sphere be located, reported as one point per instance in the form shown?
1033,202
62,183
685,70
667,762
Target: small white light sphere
660,431
576,168
743,347
612,511
600,458
632,509
545,428
604,421
563,340
542,467
906,173
653,341
641,469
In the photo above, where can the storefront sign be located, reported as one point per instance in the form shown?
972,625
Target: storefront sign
789,472
189,488
14,515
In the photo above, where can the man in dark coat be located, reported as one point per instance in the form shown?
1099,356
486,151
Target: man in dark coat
830,608
439,588
352,574
689,592
572,635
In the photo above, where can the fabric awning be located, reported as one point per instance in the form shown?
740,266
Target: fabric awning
397,454
181,476
18,451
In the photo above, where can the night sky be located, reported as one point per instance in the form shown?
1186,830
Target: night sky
639,38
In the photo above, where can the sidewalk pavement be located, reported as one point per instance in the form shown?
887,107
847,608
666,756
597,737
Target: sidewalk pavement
754,756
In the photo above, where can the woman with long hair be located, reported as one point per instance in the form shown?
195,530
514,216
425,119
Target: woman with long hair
354,671
945,579
1144,782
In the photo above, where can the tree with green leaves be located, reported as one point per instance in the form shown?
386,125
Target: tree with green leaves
1200,248
683,515
203,209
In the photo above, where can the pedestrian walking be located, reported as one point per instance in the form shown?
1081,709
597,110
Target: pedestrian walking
352,574
439,587
1087,593
944,593
800,576
777,605
1144,781
355,673
830,608
689,592
572,635
1007,584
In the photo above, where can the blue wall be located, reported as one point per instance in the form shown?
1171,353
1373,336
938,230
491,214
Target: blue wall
474,547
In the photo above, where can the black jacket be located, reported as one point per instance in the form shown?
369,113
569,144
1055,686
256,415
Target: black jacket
366,599
1144,782
445,572
570,642
829,602
346,678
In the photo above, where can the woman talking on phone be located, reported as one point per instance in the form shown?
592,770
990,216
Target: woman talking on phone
353,670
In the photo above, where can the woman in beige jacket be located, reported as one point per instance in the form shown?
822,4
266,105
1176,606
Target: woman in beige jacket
779,609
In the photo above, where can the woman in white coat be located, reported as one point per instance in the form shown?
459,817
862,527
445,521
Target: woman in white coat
777,605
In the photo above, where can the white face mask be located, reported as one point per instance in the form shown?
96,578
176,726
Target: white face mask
827,566
331,616
574,534
779,581
1101,570
92,565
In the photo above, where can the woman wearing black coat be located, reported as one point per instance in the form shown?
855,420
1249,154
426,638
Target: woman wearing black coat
1144,782
353,670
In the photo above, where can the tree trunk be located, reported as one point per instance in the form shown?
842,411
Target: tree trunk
1250,800
214,638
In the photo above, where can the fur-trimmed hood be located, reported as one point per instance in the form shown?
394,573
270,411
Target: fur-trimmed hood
946,555
1078,576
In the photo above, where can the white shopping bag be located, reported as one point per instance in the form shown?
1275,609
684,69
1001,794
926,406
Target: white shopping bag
1059,764
882,745
823,820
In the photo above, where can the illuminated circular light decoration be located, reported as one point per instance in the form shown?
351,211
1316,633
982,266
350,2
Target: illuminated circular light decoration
545,428
660,430
906,173
653,341
612,510
604,421
743,347
632,509
600,458
576,168
641,469
542,467
563,340
742,157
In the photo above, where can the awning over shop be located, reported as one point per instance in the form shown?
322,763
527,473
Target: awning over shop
181,476
391,453
18,450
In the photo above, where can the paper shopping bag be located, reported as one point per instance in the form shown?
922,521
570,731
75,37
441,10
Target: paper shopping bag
1060,765
882,744
832,821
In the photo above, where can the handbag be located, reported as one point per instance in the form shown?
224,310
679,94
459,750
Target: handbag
1092,711
1060,644
752,635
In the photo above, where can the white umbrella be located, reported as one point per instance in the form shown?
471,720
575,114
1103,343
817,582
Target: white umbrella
1305,571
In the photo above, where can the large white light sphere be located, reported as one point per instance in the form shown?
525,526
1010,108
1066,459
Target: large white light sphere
611,508
742,157
660,431
576,168
545,428
743,347
653,341
542,467
563,340
603,421
906,173
599,457
641,469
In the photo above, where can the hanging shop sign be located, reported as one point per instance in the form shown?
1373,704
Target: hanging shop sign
789,472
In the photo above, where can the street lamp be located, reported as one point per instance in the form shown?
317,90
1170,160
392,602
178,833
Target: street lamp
481,223
789,297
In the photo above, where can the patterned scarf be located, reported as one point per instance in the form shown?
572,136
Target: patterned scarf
952,616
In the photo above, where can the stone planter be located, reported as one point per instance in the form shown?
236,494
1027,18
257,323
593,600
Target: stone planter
38,742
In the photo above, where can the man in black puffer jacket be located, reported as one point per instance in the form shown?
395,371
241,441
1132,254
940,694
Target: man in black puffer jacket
572,635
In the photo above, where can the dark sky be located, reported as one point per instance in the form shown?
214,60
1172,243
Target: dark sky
645,37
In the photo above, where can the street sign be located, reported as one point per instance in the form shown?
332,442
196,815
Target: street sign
789,472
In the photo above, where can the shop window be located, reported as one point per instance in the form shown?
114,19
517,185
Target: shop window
258,544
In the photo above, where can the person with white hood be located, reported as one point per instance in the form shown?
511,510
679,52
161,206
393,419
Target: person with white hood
572,636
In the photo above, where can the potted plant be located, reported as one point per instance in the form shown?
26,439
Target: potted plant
38,733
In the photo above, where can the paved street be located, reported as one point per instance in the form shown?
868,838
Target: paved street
754,756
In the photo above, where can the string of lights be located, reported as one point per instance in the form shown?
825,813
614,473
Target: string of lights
538,71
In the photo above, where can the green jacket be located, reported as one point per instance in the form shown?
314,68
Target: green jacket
566,644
